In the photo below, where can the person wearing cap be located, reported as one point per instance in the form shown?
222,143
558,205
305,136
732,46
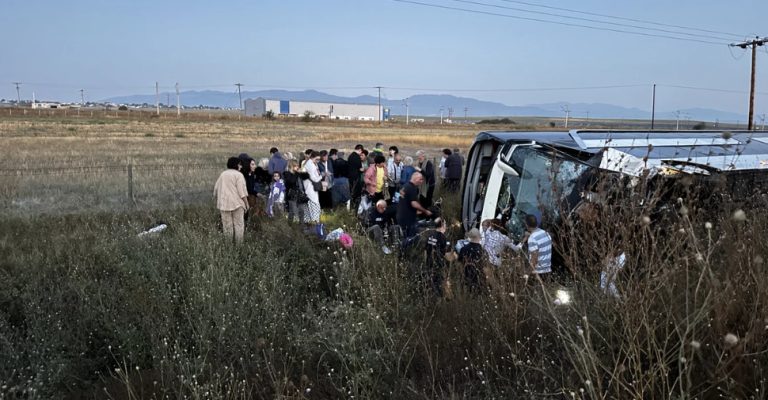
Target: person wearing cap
232,199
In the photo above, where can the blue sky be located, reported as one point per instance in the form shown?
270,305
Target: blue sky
114,48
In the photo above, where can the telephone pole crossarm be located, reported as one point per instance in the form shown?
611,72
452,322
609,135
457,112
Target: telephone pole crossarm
754,45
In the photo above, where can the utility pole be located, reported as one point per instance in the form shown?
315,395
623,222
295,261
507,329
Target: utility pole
18,94
744,45
406,110
82,97
441,115
762,122
567,112
653,107
178,103
379,87
157,97
677,124
465,114
240,95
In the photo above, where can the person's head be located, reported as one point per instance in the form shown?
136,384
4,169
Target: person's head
440,224
456,151
447,152
408,160
378,146
252,165
393,150
531,222
340,154
381,206
234,163
264,163
288,156
324,155
273,150
379,160
364,153
398,158
473,235
333,153
417,178
359,148
292,166
307,152
421,155
314,156
276,176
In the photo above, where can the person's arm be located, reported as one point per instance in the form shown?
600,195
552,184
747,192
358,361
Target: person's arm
242,191
415,204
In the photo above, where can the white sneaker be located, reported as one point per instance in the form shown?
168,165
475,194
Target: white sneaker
386,250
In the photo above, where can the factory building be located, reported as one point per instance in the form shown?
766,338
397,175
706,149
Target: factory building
294,108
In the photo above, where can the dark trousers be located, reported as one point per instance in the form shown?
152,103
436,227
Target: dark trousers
356,192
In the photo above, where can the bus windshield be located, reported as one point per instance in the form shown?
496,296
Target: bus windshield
547,185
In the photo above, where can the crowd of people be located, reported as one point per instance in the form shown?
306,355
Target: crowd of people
389,192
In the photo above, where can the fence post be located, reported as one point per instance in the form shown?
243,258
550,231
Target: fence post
130,181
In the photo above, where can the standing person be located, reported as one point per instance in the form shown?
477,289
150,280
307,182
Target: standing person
249,173
394,173
539,247
276,200
461,157
428,171
376,179
277,162
408,170
295,191
340,191
232,199
355,164
452,171
393,150
311,186
325,168
378,149
438,251
471,256
409,206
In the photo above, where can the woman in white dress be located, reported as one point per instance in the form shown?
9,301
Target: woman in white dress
312,207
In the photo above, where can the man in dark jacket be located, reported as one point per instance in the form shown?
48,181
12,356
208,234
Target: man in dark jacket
452,171
276,162
427,170
355,165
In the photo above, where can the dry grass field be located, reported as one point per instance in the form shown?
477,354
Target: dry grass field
88,309
57,163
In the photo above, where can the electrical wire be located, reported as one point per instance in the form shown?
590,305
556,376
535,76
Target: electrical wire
733,35
467,10
697,35
709,89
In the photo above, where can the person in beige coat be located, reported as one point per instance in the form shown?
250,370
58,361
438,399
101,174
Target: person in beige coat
232,199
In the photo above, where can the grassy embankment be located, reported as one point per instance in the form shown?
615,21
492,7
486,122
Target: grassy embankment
87,309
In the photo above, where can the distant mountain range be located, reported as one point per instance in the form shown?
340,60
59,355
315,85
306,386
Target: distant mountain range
430,105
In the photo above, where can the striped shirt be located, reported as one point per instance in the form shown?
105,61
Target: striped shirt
541,241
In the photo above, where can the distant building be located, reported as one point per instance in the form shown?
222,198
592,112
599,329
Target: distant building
293,108
38,104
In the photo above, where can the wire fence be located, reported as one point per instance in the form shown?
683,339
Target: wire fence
66,189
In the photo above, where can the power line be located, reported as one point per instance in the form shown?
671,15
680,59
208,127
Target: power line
709,89
734,35
559,23
698,35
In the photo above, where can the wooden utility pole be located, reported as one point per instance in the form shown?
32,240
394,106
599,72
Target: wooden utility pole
754,44
240,95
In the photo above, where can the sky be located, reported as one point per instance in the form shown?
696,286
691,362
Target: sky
110,48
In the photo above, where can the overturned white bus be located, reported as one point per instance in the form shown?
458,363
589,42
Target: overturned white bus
550,174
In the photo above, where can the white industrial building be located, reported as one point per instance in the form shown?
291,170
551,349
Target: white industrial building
293,108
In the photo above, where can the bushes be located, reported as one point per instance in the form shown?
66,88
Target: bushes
85,304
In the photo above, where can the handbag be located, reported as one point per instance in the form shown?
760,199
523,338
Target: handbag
318,186
298,195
